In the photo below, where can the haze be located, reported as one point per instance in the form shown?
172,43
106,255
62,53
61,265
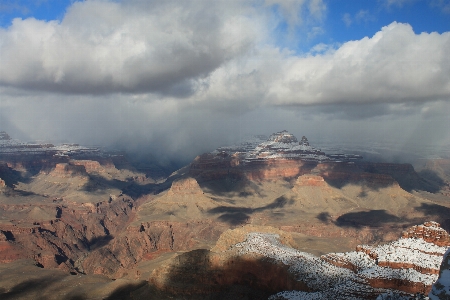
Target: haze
177,78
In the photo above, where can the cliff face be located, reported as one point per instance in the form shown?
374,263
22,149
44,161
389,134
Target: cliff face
210,167
441,288
187,186
147,241
262,258
57,236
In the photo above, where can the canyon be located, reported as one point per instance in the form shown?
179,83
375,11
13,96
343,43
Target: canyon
239,222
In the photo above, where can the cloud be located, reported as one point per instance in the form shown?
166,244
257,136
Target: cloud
398,3
217,54
395,65
131,47
347,19
179,78
443,5
295,12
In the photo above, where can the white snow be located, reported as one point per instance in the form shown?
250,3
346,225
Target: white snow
328,281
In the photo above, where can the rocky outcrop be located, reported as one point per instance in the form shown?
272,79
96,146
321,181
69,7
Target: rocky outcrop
57,236
441,288
276,169
67,170
186,186
246,255
212,271
90,166
148,241
430,232
409,265
310,180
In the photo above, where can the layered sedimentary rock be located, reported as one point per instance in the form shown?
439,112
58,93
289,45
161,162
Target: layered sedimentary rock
246,255
430,232
147,241
186,186
67,170
409,265
282,156
56,235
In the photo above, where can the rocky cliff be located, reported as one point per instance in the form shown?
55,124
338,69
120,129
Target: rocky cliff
441,288
264,258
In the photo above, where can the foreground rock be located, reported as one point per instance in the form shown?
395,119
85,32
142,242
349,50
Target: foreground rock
261,258
409,265
441,288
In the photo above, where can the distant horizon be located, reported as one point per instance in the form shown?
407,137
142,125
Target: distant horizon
375,151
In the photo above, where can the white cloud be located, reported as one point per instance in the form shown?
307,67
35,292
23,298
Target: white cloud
219,54
395,65
140,57
103,47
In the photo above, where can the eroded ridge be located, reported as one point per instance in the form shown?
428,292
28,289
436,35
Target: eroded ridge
405,266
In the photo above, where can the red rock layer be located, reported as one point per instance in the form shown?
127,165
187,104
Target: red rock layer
185,186
431,232
400,285
140,242
67,170
61,242
310,180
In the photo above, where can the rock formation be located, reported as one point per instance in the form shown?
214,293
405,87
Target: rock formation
78,211
248,254
441,288
186,186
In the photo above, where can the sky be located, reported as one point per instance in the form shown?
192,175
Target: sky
177,78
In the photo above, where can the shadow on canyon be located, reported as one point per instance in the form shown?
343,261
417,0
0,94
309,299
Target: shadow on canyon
97,184
32,289
13,177
433,180
439,213
374,176
240,215
230,186
100,241
199,274
379,218
372,218
192,275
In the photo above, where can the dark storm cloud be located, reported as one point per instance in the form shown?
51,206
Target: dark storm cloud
113,73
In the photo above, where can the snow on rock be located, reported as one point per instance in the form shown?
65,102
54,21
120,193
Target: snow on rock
415,253
354,261
387,273
430,232
10,146
441,288
281,145
285,145
316,273
405,267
